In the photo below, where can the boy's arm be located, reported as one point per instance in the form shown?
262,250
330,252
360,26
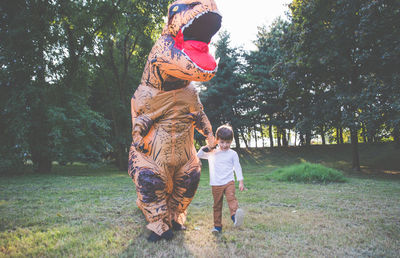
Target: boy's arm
202,154
201,122
238,171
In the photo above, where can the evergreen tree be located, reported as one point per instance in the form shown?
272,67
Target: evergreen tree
223,98
264,89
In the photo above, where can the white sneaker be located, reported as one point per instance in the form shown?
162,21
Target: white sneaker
239,217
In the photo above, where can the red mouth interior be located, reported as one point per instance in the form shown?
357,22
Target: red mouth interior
197,52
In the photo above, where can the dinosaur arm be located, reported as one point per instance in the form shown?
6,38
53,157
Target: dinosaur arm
142,115
203,126
142,125
138,125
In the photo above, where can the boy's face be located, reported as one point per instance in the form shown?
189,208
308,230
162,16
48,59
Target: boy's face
224,144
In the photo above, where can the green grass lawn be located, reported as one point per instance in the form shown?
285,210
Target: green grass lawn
87,212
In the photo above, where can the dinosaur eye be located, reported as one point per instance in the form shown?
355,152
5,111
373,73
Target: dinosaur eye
180,8
174,10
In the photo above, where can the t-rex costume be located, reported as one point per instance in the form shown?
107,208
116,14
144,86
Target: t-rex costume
166,109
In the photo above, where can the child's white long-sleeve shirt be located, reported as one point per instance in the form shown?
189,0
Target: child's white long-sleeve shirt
222,163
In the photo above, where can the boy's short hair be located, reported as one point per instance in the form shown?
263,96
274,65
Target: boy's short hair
224,132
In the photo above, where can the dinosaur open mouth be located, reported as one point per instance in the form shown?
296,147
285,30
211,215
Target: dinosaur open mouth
194,37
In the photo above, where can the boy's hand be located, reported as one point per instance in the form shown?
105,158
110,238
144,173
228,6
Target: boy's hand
241,185
207,148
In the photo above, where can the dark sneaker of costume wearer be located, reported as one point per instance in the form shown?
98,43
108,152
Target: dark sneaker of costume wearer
176,226
167,235
238,218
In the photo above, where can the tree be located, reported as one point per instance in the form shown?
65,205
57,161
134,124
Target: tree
25,37
264,89
325,62
17,69
58,55
124,46
56,122
378,36
222,97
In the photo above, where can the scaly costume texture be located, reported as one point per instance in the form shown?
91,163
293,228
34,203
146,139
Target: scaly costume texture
166,109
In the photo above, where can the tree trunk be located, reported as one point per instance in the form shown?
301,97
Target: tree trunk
337,135
122,158
262,135
308,138
255,135
42,164
271,137
244,139
301,139
397,141
354,147
341,135
364,134
370,139
38,136
236,137
120,155
284,139
39,140
396,137
278,136
322,133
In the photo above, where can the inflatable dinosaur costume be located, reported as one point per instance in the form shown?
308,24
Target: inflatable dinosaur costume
166,109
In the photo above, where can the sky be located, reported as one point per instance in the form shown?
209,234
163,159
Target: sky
242,17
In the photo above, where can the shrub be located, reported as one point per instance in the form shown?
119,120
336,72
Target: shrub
307,173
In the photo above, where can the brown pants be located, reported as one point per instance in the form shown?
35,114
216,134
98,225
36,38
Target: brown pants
218,194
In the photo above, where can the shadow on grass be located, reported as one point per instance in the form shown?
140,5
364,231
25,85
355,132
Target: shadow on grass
141,247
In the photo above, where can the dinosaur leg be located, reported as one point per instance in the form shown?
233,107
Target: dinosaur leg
151,184
186,181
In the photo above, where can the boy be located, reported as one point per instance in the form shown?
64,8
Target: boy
222,161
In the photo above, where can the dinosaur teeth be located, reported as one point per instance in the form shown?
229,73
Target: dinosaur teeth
196,17
187,25
198,67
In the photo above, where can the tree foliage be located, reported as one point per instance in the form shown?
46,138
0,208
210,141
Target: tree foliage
69,68
222,97
264,89
52,54
333,62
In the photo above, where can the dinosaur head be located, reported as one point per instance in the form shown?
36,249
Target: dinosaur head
192,24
